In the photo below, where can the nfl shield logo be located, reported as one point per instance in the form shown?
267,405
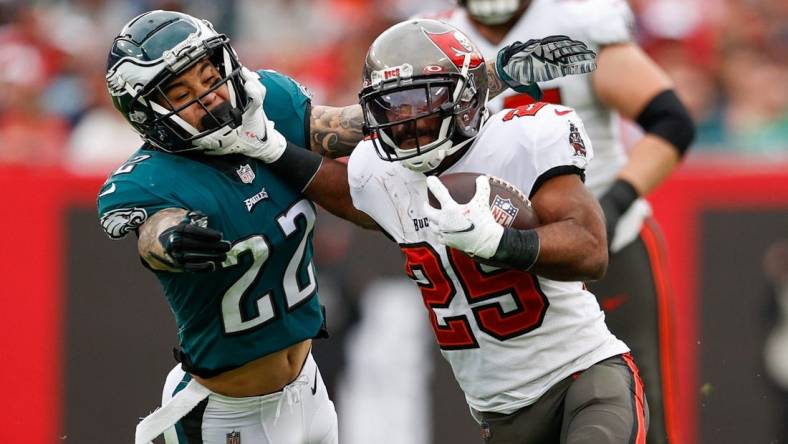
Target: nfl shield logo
234,438
246,173
503,211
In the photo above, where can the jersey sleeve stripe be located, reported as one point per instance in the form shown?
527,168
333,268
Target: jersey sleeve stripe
555,172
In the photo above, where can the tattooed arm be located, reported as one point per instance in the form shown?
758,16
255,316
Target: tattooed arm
148,245
494,83
334,132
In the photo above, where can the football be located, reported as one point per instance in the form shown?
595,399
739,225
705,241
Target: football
509,205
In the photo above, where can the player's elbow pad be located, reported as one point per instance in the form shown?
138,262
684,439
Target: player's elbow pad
665,116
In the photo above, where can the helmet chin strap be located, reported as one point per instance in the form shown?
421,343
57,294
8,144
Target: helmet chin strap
432,160
427,161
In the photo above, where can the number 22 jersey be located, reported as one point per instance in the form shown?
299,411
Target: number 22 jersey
509,335
264,296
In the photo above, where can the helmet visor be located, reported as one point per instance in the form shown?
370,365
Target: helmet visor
411,117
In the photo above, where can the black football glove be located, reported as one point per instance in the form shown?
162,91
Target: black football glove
193,246
522,65
615,202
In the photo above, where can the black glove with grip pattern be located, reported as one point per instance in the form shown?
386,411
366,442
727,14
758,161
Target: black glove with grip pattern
192,246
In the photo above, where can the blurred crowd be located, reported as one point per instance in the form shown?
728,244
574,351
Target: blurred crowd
729,59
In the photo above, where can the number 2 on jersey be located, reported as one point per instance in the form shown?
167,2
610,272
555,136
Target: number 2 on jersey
233,318
424,266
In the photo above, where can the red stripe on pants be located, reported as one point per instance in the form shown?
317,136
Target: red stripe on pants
640,414
655,247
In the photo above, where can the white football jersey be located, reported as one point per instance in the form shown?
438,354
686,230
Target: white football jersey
509,335
597,23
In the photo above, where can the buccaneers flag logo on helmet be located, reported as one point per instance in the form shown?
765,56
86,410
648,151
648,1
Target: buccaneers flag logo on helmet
456,46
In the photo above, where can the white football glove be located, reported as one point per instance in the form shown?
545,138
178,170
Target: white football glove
540,60
256,136
470,227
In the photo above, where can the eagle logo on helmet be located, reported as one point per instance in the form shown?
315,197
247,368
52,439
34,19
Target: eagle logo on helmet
456,46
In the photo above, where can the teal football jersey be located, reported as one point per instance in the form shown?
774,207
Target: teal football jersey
264,297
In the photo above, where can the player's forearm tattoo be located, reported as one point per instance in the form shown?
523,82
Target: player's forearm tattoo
495,84
334,132
148,244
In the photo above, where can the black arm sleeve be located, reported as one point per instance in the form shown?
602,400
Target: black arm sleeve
665,116
517,249
297,166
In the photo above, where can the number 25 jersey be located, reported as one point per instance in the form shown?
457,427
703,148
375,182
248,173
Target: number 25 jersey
509,335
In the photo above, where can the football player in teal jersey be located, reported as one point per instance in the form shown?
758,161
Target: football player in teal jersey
229,240
230,243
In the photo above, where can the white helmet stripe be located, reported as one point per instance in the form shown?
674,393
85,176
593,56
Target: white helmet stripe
464,73
465,64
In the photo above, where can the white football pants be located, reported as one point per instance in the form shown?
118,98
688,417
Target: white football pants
301,413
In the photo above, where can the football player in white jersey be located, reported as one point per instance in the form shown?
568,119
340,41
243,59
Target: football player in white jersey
627,83
526,341
182,87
